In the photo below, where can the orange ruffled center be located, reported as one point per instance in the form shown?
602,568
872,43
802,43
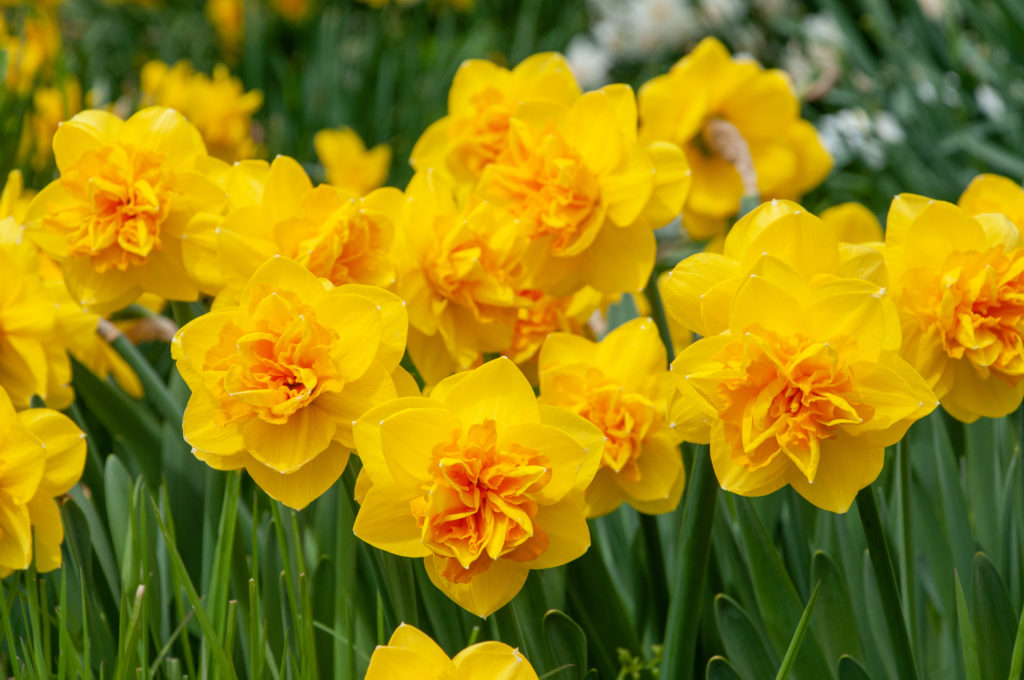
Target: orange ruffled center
480,137
786,394
544,182
280,363
479,508
463,270
543,315
347,247
976,303
625,418
122,196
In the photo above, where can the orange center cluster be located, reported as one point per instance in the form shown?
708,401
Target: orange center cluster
479,507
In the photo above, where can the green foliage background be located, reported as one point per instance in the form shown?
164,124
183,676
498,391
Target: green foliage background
173,569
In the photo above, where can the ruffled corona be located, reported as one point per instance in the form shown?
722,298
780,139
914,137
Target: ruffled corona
114,218
479,480
278,380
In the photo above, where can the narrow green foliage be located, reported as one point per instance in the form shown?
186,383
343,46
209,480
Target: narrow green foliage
798,636
967,641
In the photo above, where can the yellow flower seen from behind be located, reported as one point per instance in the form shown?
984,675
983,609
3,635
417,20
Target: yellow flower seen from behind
349,165
410,653
988,193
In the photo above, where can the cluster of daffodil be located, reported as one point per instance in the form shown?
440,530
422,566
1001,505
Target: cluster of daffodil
533,205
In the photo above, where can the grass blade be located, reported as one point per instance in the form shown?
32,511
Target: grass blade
798,635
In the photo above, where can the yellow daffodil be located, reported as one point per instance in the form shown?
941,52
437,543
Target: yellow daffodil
276,210
410,653
853,223
482,99
44,454
585,192
460,274
621,385
33,357
994,194
114,218
217,105
544,314
50,106
279,380
726,112
31,51
347,162
228,20
293,10
479,480
958,281
698,292
804,388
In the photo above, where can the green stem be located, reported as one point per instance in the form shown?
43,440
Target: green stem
687,591
658,314
882,564
907,553
658,580
156,389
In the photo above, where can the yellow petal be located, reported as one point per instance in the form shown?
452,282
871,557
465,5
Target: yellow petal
201,429
360,325
408,439
565,457
740,480
394,322
486,592
660,464
487,660
414,640
846,466
603,495
367,435
299,488
620,259
631,353
584,432
15,535
497,391
65,448
565,524
48,530
289,446
853,223
385,521
389,663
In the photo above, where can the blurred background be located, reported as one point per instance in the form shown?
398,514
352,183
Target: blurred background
908,95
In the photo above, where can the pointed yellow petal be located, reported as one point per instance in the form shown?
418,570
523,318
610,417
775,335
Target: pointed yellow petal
486,592
299,488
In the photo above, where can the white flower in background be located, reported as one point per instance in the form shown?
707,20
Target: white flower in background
722,11
989,102
851,134
636,29
589,62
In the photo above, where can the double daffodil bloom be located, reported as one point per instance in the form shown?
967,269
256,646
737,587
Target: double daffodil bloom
805,387
621,385
279,379
479,480
115,217
958,281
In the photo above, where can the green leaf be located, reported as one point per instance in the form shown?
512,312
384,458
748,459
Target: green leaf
835,626
798,636
567,644
850,669
119,496
744,643
967,640
1017,660
777,599
994,621
719,668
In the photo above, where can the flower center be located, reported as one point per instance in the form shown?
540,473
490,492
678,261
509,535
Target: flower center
625,418
279,364
786,394
543,181
479,507
976,303
121,198
340,248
